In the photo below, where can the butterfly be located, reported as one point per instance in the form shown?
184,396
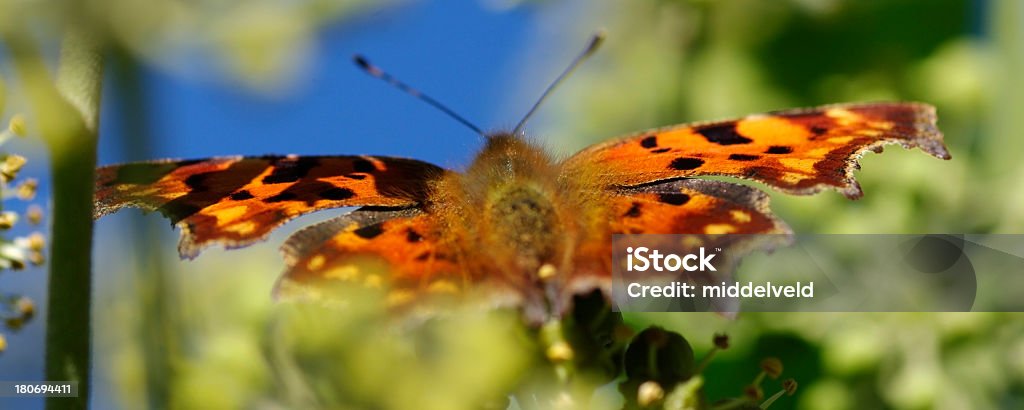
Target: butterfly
528,229
517,227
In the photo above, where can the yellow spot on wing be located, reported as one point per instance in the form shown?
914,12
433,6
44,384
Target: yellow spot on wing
740,216
316,262
843,116
818,152
840,140
882,125
347,272
243,227
793,178
718,229
799,164
228,215
442,286
691,241
162,193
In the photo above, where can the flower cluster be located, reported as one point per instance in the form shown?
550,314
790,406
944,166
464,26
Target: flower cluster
18,252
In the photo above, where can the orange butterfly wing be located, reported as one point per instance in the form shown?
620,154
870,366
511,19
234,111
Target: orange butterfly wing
236,201
342,249
685,206
797,151
693,206
400,251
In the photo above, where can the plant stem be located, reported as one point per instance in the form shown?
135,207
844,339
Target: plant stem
73,161
158,333
706,360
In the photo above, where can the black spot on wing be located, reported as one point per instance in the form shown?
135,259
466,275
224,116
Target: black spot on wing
778,149
649,142
178,210
685,163
723,134
241,195
291,169
413,236
744,157
282,197
197,182
369,231
364,166
634,211
355,176
818,130
337,194
674,198
310,191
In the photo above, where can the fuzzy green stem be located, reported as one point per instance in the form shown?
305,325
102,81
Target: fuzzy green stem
706,360
73,161
759,379
768,403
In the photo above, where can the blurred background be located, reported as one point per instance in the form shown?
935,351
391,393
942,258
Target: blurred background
207,78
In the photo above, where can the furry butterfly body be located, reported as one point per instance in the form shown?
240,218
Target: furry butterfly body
517,226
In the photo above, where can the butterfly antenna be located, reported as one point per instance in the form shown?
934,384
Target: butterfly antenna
595,42
375,71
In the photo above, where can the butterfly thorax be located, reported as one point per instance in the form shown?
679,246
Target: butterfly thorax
509,213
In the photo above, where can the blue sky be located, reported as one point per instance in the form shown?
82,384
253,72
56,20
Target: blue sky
460,52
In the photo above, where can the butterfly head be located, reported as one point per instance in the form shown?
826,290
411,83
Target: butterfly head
510,155
502,138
